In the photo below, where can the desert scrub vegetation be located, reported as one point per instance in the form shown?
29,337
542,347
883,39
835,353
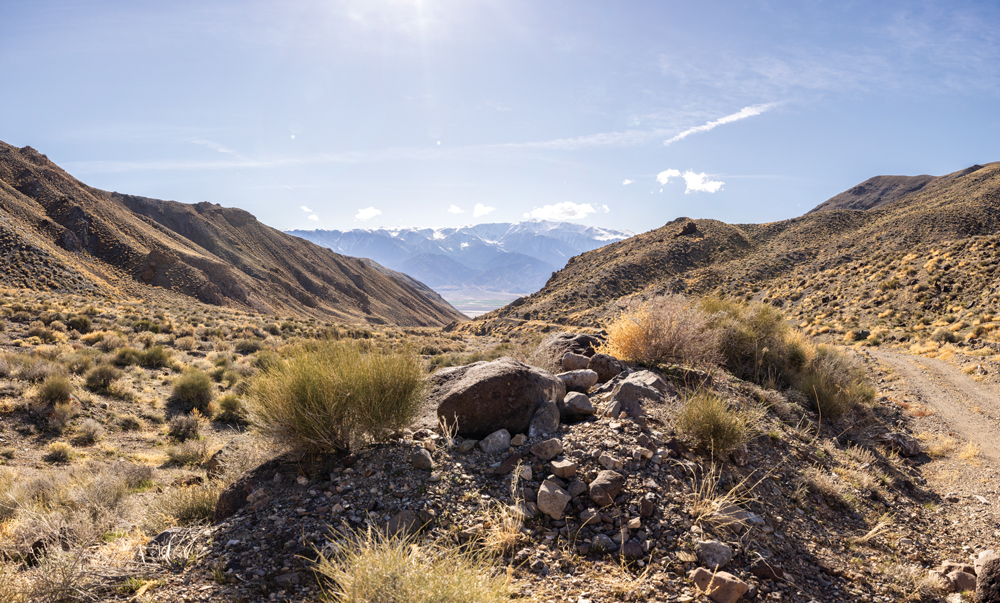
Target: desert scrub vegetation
329,395
708,420
666,330
371,567
751,340
193,391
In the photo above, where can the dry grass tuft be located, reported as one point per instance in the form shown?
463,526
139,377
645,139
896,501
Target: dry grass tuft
666,330
716,425
373,568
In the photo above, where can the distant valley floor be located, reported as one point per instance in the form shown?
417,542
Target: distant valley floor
473,302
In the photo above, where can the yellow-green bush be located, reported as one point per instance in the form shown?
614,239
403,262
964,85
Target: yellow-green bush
714,425
373,568
665,330
328,395
834,383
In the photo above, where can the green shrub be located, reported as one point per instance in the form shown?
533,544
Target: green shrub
247,346
753,339
331,394
186,506
943,335
184,427
188,452
834,383
55,389
154,357
60,452
81,324
130,422
127,357
101,376
193,390
666,330
713,425
231,410
146,325
89,432
372,568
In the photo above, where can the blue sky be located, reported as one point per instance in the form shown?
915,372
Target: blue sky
342,114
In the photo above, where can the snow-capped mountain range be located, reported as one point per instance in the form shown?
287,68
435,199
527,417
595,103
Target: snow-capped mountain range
499,257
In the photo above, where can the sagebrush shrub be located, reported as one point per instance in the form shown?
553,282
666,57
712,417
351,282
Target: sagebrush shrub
666,330
184,427
715,425
834,383
329,395
753,339
55,389
193,390
101,376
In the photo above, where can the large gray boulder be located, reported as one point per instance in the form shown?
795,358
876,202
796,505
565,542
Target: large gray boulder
484,397
988,583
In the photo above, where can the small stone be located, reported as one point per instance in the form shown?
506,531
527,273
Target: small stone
721,587
404,522
982,558
605,487
579,381
518,440
526,473
552,499
988,583
467,445
646,507
631,550
902,443
564,469
421,459
962,581
609,462
302,480
509,463
713,554
496,442
576,488
576,405
573,362
635,523
590,516
544,421
607,367
766,570
547,450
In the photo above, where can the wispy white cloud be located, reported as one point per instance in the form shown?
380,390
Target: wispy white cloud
314,218
567,210
366,214
481,210
454,209
743,113
627,182
306,209
212,145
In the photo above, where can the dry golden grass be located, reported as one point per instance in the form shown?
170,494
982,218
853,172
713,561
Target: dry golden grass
970,453
937,446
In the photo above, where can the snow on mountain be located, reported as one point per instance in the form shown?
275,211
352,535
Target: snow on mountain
494,257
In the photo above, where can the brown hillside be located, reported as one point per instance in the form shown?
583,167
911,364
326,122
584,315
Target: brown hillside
880,190
57,233
927,255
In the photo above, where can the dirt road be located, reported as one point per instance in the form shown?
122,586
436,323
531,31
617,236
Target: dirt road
970,408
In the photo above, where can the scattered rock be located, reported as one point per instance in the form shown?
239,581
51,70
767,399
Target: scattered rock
564,469
555,346
547,450
609,462
631,550
552,499
638,389
961,581
766,569
721,587
606,487
518,440
689,228
988,583
982,559
545,420
421,459
486,396
607,367
573,362
575,406
404,522
902,443
496,442
713,554
579,381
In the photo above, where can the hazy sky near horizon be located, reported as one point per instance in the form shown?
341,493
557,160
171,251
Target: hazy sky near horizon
345,114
